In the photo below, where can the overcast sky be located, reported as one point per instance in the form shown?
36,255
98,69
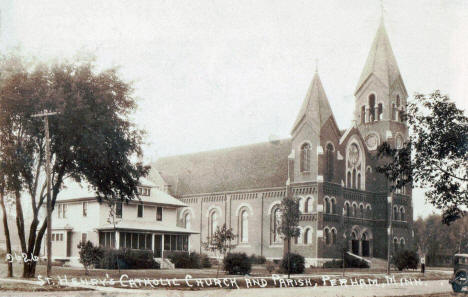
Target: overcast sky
210,74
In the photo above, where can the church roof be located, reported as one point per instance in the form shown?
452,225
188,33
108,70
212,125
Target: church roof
381,61
261,165
315,106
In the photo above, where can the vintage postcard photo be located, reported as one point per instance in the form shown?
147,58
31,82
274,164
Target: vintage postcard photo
233,148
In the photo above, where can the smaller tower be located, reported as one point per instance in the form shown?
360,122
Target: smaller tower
381,95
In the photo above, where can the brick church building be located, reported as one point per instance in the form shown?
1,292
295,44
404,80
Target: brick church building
344,202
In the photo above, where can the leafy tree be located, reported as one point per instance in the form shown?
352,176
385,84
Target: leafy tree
89,254
92,138
436,155
289,223
406,259
220,243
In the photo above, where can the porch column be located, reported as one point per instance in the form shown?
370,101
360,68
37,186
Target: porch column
162,249
117,239
153,239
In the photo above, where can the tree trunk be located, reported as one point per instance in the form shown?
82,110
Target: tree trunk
7,234
289,257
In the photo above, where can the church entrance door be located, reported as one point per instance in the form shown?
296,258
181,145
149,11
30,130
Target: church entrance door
365,248
355,247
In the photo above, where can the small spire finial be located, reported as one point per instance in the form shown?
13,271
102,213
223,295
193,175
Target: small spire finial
316,65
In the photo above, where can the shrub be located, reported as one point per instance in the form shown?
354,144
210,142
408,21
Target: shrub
297,263
270,266
333,264
205,261
185,260
254,259
405,259
237,263
89,255
127,259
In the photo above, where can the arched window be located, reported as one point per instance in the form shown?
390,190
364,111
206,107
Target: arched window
349,179
333,205
372,107
402,213
308,236
368,210
395,244
305,157
187,219
395,213
354,210
353,235
398,100
363,114
379,112
327,236
359,181
330,162
276,220
213,222
354,178
361,209
327,205
364,237
308,205
346,209
298,239
394,110
244,226
333,236
301,205
402,243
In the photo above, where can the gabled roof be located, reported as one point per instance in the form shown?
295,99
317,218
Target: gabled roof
261,165
80,192
315,106
381,61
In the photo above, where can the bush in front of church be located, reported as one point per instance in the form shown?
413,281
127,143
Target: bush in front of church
127,259
237,263
185,260
405,259
297,263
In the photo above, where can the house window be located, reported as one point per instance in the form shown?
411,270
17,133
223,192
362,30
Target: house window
85,209
244,226
118,210
64,210
107,239
305,157
159,213
84,237
53,236
140,211
59,212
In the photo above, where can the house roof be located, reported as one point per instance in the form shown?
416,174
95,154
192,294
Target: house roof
261,165
381,61
78,192
315,106
143,226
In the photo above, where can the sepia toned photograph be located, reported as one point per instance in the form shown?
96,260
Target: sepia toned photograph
233,148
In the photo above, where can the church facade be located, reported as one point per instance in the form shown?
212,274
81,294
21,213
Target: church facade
344,202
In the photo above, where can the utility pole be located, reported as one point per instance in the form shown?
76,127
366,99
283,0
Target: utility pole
46,115
389,231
